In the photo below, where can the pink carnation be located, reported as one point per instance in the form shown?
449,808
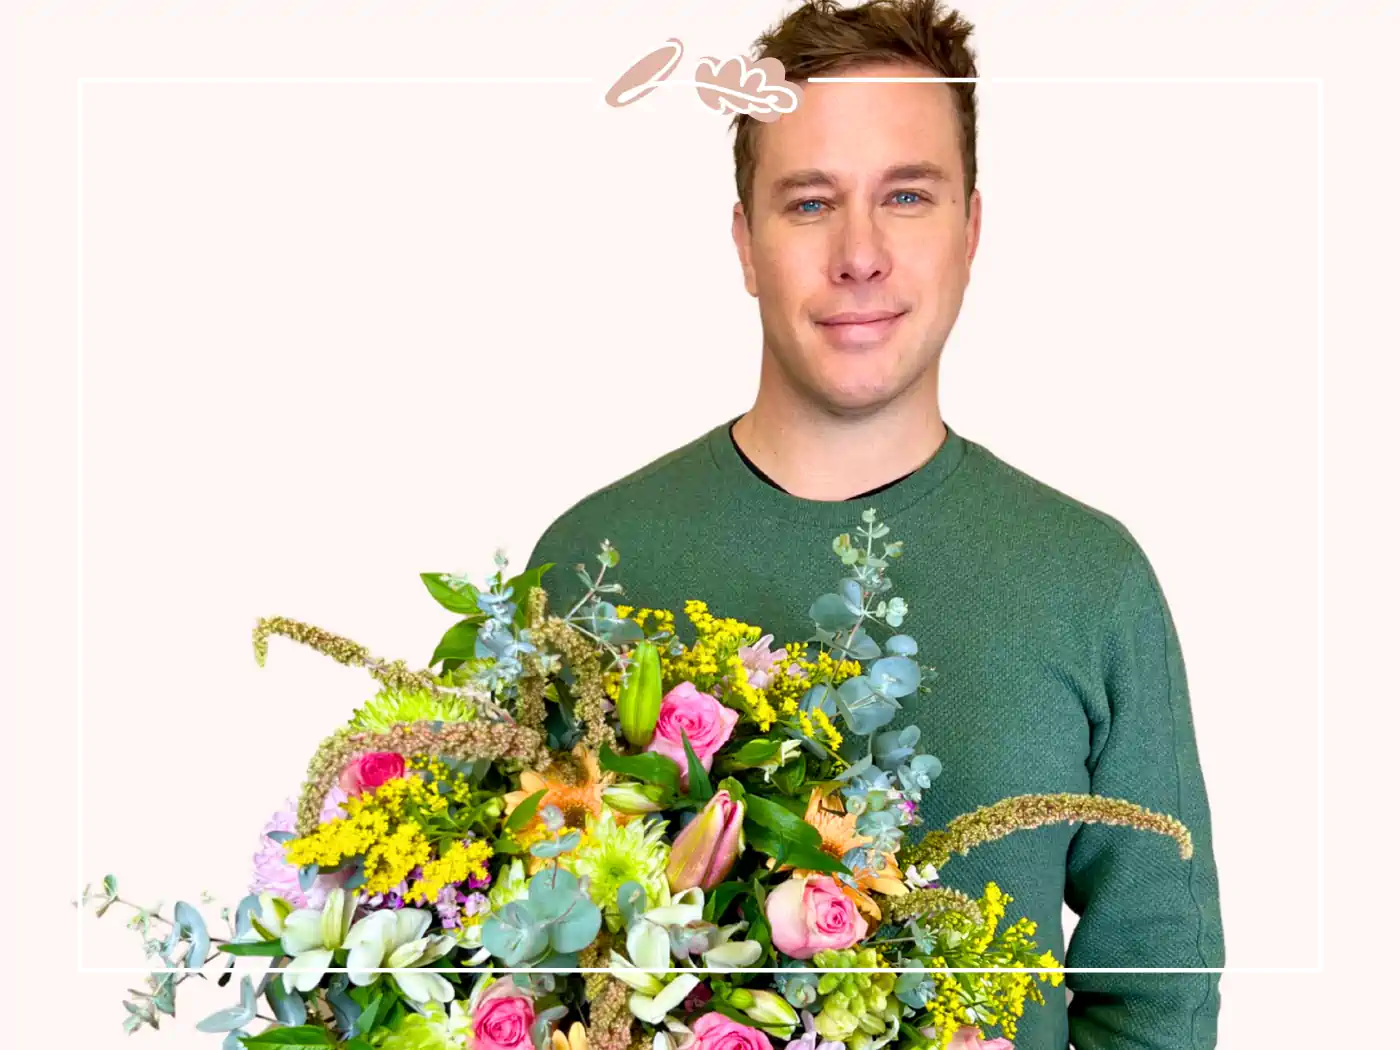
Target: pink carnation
271,872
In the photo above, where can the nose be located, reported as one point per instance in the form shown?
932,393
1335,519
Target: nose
859,253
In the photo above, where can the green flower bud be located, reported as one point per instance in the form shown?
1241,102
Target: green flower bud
639,701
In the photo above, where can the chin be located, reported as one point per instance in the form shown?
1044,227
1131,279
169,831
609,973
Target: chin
855,400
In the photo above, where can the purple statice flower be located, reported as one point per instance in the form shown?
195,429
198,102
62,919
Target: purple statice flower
452,906
758,661
391,900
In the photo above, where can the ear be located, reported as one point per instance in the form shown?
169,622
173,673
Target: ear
744,243
974,225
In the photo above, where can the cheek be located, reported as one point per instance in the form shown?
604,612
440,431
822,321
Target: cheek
790,272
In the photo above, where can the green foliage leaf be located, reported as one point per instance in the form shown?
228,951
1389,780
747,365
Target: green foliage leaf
520,816
649,767
463,601
774,829
521,585
293,1035
254,948
756,752
700,789
459,643
720,897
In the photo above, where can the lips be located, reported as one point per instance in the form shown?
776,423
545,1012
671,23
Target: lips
859,329
860,317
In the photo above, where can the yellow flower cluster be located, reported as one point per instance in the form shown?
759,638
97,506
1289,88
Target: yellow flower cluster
993,906
716,640
833,736
756,700
660,619
462,860
386,827
1002,995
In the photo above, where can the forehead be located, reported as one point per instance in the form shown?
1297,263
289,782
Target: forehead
854,128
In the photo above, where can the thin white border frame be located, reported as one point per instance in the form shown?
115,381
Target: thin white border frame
1316,81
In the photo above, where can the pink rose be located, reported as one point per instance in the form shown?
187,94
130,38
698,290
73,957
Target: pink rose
714,1031
705,721
969,1037
809,913
371,770
502,1018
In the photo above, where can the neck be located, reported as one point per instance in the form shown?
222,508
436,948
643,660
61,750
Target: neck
815,454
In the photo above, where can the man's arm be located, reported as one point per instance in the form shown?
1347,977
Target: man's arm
1138,903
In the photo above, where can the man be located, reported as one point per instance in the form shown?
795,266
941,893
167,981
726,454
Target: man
1058,664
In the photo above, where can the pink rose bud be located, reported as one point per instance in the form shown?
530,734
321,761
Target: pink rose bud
969,1037
502,1018
714,1031
699,718
708,846
369,771
810,913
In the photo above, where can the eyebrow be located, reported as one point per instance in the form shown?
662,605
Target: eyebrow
810,177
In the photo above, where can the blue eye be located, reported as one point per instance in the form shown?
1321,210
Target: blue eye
910,193
802,207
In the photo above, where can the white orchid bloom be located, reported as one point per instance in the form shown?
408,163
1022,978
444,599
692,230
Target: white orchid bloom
676,1037
685,907
312,935
921,878
397,939
733,955
266,926
656,994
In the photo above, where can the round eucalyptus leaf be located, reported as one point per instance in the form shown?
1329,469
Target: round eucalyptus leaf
575,930
901,645
831,613
895,676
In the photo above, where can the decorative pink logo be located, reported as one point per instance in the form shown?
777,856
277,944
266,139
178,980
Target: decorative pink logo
735,85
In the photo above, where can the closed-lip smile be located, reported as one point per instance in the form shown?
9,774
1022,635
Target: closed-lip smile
860,317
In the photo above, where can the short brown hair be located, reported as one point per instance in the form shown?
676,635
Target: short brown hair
821,38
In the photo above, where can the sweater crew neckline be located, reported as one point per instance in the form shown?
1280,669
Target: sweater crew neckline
747,489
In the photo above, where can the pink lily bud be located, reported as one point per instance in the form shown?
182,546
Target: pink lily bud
707,847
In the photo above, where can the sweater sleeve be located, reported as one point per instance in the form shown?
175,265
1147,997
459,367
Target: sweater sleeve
1139,904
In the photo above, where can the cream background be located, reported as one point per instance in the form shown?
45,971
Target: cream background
311,314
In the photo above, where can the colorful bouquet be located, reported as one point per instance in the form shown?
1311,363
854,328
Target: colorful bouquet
581,831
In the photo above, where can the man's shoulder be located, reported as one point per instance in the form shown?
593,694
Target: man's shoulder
1032,512
677,482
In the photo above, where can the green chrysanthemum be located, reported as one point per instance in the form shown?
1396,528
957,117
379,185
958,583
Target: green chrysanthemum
392,706
511,885
611,855
435,1029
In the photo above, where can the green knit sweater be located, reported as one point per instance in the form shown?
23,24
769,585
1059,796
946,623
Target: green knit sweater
1058,670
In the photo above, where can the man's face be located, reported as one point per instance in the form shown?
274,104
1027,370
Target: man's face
861,242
